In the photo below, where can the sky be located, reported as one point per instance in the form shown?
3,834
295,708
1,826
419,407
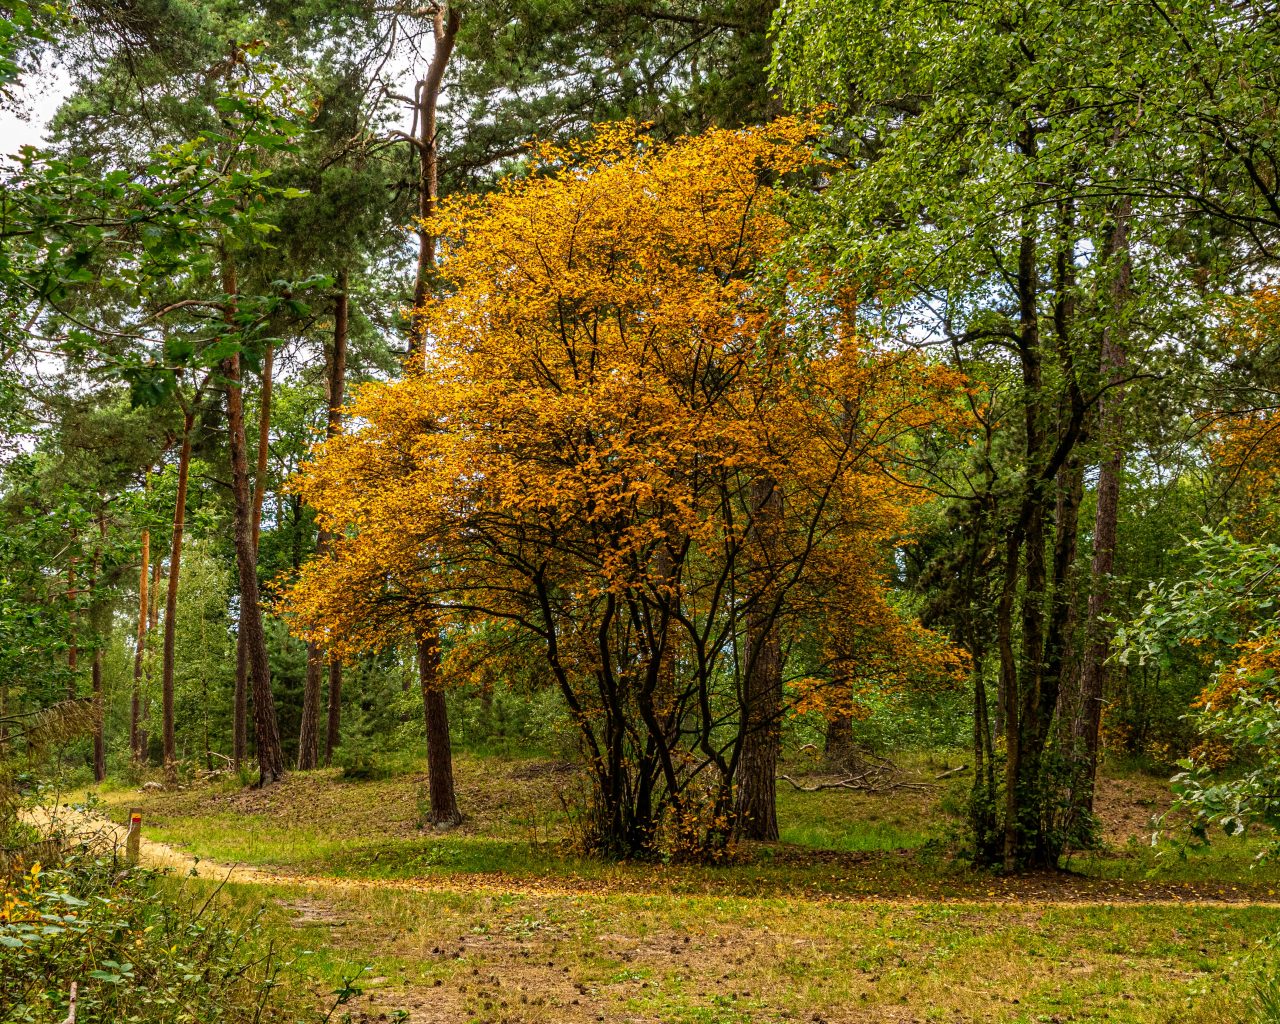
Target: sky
41,94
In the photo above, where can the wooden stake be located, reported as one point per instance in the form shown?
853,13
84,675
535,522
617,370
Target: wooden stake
133,840
71,1004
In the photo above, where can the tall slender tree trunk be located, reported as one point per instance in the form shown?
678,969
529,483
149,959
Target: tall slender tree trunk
153,619
444,801
1020,676
240,701
757,802
266,729
73,651
171,599
309,730
446,21
99,745
335,378
135,706
1086,727
264,444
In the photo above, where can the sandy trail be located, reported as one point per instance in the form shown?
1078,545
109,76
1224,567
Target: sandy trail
109,836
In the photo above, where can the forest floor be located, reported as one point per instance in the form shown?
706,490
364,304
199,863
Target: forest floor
859,916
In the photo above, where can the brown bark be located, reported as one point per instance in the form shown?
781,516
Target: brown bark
308,734
264,442
135,706
1087,724
73,652
240,704
99,745
266,729
838,743
171,597
333,727
444,801
336,378
444,28
757,803
1020,678
153,618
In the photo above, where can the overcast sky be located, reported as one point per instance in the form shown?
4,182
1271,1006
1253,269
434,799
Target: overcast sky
39,101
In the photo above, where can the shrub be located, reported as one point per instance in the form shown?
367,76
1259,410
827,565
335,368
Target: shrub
138,950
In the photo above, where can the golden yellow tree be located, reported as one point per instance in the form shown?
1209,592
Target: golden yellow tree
641,452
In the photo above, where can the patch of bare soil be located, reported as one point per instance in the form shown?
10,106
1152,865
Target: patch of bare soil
511,977
1127,806
312,913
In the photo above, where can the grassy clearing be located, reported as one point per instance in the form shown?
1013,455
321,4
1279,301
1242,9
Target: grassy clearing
484,956
859,915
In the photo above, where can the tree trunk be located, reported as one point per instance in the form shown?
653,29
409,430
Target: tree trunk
99,745
266,730
264,442
171,598
1021,675
240,701
73,652
153,618
309,731
838,741
444,801
757,802
1086,727
135,706
336,377
445,23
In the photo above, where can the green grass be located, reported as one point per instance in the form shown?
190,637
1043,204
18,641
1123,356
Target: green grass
859,915
699,958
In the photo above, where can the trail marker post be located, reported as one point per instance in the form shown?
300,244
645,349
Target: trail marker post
133,839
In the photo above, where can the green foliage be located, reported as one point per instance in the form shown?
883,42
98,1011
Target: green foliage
1234,798
507,721
1266,984
138,949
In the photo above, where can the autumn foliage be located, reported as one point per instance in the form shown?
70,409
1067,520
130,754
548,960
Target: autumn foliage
633,433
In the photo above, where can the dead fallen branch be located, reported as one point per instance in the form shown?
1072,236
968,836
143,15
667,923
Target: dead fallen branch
865,783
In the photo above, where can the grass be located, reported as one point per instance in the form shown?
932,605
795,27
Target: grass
857,916
485,956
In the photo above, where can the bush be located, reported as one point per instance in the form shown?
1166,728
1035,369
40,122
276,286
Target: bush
138,951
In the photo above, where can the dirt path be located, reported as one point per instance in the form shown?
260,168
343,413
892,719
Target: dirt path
102,834
1039,892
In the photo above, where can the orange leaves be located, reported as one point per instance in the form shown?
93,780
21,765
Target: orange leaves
608,372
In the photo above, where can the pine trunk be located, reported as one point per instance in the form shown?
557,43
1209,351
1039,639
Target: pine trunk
444,801
99,744
266,729
153,619
240,701
309,731
171,599
757,772
445,25
135,704
73,651
336,378
1087,724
